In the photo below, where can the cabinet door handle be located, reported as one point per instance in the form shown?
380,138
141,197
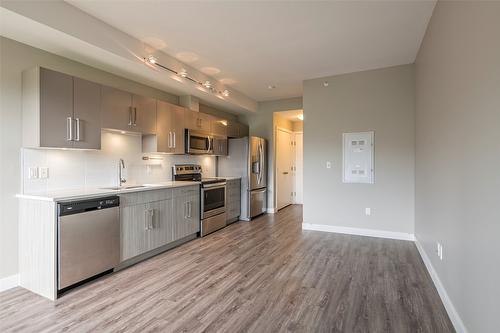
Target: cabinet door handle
135,116
146,219
69,129
174,139
185,210
169,139
151,218
77,129
130,116
189,209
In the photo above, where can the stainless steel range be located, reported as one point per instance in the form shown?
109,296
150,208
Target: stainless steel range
213,196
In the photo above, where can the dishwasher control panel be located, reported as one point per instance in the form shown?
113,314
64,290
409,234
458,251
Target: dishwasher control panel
81,206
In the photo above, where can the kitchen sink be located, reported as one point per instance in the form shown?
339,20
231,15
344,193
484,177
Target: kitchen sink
116,188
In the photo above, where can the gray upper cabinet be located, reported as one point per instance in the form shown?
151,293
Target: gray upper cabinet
197,121
219,127
169,137
144,114
220,146
60,111
116,106
124,111
177,129
87,114
56,109
236,129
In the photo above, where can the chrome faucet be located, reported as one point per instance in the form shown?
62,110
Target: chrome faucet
121,166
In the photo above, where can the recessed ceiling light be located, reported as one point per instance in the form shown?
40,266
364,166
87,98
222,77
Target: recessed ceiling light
152,59
187,56
301,116
183,73
225,93
271,87
210,70
227,81
207,84
325,83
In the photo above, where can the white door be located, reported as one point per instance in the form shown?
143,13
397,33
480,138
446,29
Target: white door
299,167
284,163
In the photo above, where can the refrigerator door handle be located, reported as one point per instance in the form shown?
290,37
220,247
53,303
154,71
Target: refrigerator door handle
261,157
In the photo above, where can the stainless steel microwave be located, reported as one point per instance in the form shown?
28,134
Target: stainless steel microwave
199,142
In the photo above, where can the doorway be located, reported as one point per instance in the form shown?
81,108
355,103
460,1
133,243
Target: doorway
288,173
284,167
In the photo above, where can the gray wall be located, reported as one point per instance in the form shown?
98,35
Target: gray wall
16,57
380,100
458,156
261,124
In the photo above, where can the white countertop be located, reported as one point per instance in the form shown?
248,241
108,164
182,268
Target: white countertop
89,193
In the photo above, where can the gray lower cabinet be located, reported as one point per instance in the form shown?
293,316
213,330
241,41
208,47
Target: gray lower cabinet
152,219
134,231
186,211
233,199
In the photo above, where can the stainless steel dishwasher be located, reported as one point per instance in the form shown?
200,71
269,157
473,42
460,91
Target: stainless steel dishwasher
88,239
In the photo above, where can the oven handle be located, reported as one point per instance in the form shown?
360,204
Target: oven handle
214,186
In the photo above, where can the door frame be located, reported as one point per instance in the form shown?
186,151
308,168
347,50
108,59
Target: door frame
275,170
295,171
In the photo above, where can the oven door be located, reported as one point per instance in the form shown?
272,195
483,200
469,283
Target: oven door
213,200
199,143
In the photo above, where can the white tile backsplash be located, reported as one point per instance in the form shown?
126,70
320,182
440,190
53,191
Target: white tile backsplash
70,169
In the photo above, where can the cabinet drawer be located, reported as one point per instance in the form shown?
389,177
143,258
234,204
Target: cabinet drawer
145,197
186,190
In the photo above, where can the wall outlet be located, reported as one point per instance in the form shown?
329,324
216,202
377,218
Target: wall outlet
43,173
328,164
33,173
368,211
440,251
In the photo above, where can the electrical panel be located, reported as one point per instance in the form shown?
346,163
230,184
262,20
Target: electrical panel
358,151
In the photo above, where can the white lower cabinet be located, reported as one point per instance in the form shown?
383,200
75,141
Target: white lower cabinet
146,226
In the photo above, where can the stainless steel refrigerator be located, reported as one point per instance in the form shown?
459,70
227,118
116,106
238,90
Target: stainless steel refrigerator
247,158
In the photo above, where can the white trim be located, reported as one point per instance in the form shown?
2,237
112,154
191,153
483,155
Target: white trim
450,309
9,282
270,210
359,231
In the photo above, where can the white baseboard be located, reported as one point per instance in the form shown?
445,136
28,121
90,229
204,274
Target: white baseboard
359,231
450,309
9,282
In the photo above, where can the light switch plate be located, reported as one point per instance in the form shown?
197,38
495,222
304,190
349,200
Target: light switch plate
33,173
328,164
368,211
43,173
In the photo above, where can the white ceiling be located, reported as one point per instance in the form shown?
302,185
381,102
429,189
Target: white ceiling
257,44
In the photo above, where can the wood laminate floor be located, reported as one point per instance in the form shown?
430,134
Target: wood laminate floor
261,276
